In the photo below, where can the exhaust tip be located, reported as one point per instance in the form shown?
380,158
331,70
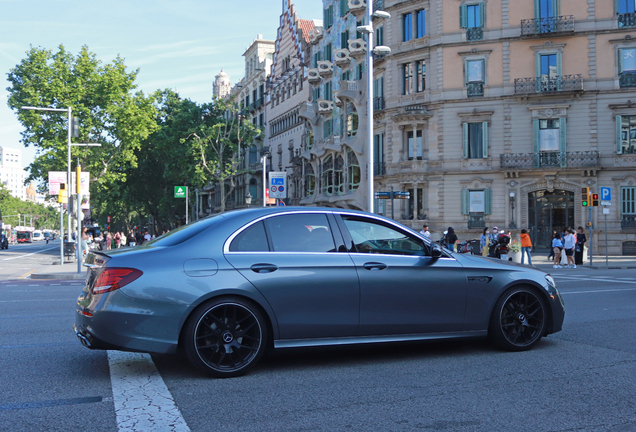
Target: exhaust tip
83,339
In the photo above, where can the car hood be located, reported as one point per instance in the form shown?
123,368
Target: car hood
476,261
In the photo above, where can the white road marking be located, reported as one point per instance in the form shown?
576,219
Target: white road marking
142,400
596,291
22,256
36,300
597,280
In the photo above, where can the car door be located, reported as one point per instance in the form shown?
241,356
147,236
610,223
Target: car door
293,260
403,290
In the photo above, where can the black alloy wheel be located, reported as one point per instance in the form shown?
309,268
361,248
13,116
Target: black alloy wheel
519,319
225,337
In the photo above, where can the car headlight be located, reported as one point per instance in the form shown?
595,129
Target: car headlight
551,281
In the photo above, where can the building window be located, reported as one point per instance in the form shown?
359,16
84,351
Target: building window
414,147
471,15
328,128
328,56
309,136
625,134
339,175
421,23
625,9
421,76
310,179
627,67
353,171
407,27
346,76
316,94
328,17
358,34
474,71
476,204
407,78
379,36
549,136
344,7
378,154
253,155
475,139
328,91
344,39
628,207
359,71
327,175
317,58
352,120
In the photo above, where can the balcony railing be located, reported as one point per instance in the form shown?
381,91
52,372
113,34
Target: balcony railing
379,168
258,103
628,221
546,26
475,89
476,220
565,83
378,103
627,19
474,33
578,159
626,80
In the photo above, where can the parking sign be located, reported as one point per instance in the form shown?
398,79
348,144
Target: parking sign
606,196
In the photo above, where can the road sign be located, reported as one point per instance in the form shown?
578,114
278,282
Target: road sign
402,195
606,196
383,195
605,211
180,191
278,184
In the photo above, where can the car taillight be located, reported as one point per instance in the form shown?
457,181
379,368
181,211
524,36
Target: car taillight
112,279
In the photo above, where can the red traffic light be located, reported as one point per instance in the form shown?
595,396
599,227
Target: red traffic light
594,196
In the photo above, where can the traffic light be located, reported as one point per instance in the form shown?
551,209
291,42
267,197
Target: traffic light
75,127
585,196
594,200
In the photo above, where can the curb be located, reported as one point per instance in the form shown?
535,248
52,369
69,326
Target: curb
61,276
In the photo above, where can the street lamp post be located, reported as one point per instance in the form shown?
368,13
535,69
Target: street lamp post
248,199
371,51
512,210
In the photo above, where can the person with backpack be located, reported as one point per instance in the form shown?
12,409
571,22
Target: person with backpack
451,238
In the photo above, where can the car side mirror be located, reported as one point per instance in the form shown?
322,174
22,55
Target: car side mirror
436,250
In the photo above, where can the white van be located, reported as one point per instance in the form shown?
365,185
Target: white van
37,235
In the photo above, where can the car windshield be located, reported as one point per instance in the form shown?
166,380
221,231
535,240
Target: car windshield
185,232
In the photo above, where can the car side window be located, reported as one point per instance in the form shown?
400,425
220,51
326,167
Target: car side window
304,232
252,239
370,236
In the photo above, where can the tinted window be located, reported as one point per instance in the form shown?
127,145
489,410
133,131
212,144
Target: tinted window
185,232
373,237
301,233
252,239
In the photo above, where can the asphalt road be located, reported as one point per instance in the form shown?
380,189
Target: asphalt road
581,379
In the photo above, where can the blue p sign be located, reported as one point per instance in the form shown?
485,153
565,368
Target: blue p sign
606,194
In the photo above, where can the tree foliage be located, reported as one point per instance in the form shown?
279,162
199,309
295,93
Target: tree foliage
41,215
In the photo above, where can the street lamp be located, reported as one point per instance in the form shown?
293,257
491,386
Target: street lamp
379,51
512,211
248,199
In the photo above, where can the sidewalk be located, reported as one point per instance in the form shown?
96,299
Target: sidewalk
540,261
65,271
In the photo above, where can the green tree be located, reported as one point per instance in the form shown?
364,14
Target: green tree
110,112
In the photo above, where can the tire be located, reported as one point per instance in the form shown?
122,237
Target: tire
519,319
225,337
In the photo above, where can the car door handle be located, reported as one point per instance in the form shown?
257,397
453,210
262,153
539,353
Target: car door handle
264,268
375,266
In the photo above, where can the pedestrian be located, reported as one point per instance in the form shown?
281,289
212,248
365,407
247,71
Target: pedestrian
147,237
132,241
580,246
109,240
122,239
425,232
117,239
526,246
451,238
484,242
568,245
551,255
557,247
492,241
139,237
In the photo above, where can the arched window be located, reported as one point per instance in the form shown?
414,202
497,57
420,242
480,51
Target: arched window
310,179
353,171
339,175
327,175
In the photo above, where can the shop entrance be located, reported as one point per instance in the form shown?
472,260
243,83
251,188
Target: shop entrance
548,212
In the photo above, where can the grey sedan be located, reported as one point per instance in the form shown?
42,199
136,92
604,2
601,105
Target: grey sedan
230,287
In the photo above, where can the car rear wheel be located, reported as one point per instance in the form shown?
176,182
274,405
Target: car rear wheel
225,337
519,319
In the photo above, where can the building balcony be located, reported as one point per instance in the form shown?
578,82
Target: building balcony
626,19
258,103
565,83
578,159
628,221
342,57
325,68
315,35
476,220
627,80
547,26
313,76
357,47
379,169
474,33
475,89
378,103
325,106
358,7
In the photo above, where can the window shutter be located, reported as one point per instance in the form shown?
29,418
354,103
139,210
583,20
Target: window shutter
562,141
465,139
619,134
487,201
465,72
481,15
465,201
484,135
555,8
620,61
559,71
537,66
537,11
535,142
463,16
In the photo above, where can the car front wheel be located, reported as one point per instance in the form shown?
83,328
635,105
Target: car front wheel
225,337
519,319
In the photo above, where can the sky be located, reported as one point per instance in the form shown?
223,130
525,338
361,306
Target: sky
176,44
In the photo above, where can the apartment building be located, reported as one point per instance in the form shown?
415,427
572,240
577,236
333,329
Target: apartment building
497,113
12,174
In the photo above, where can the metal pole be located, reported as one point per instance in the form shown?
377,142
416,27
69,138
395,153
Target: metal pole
589,218
606,254
196,192
370,105
264,160
61,234
68,172
392,205
186,205
79,229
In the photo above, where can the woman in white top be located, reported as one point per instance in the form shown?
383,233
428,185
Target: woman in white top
568,245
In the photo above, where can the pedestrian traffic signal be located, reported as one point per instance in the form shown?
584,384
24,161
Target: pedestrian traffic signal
585,196
75,127
594,200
